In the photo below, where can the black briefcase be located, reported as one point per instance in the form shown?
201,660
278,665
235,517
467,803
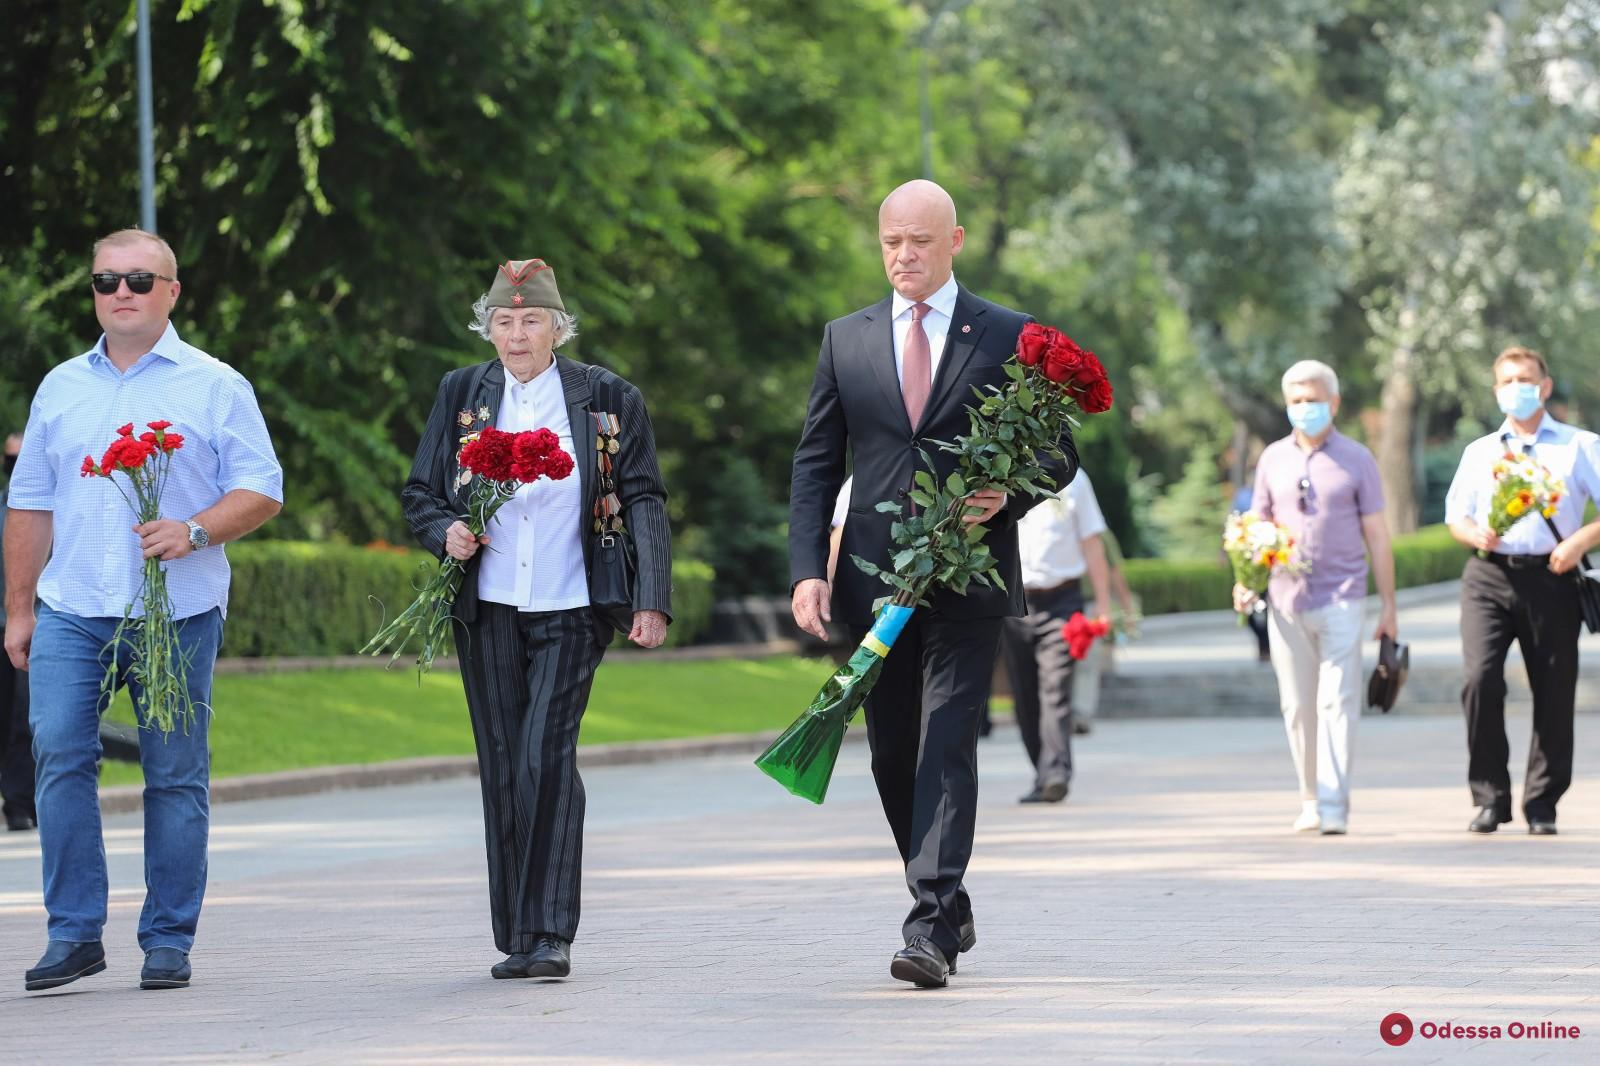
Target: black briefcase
1394,662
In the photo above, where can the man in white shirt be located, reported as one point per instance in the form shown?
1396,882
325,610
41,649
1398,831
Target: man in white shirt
1520,586
1060,541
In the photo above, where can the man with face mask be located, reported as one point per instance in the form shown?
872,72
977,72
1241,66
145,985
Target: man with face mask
1519,586
1324,488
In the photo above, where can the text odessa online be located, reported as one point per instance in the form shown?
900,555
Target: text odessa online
1516,1031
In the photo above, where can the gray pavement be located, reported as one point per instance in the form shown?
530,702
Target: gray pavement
1163,914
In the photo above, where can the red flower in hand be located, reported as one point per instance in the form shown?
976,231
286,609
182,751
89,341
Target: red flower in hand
159,425
537,453
1063,360
88,469
1033,342
489,456
126,431
1080,633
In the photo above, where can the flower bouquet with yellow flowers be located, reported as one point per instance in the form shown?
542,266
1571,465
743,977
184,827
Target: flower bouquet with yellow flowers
1522,486
1256,546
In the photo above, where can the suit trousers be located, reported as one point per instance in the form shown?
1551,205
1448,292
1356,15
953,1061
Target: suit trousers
527,677
1317,657
1539,610
1042,671
922,727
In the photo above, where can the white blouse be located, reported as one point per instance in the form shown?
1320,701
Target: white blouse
534,558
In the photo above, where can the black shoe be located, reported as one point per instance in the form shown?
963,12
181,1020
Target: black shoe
64,962
1054,792
1488,820
18,820
969,940
512,966
551,957
920,963
164,968
1541,827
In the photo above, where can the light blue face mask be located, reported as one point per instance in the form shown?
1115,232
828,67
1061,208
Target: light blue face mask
1519,399
1310,418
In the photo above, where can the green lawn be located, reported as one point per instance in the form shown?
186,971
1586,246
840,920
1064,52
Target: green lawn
266,722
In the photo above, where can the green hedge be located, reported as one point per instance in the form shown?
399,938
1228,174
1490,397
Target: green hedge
1166,586
301,598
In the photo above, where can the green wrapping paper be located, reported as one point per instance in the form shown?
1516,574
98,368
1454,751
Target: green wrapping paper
803,756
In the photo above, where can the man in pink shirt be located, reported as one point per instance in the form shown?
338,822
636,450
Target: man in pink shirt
1324,488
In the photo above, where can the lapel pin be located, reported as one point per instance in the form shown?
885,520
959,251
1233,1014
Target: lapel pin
966,329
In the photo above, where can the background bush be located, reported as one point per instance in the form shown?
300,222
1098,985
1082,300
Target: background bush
303,598
1165,586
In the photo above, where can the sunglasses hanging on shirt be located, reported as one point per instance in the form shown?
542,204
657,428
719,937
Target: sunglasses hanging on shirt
140,282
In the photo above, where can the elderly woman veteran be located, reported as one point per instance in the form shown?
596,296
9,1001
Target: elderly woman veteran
528,641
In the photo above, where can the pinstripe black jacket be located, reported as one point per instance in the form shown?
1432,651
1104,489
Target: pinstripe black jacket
431,500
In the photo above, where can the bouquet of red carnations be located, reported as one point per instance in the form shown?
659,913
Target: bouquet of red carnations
1081,632
1048,379
158,663
496,464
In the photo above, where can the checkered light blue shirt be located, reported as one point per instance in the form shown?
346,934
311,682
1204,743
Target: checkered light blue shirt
96,565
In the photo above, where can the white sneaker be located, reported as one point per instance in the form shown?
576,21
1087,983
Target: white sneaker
1334,826
1309,821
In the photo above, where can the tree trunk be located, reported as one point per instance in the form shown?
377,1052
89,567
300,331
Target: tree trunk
1396,456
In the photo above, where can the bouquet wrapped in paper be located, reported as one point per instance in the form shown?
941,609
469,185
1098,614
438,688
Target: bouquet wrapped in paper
1522,486
158,662
1049,377
496,464
1256,546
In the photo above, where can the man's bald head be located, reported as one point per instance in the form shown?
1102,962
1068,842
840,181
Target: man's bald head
919,238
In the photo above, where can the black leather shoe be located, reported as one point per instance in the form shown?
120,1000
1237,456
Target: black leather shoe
1054,792
551,957
64,962
920,963
1540,827
512,966
969,940
164,968
19,820
1488,820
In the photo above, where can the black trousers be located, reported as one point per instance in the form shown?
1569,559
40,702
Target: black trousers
1040,668
527,677
922,726
1539,610
16,740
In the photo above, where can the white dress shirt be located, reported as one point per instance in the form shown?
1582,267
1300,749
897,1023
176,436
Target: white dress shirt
936,324
1050,537
1568,452
534,558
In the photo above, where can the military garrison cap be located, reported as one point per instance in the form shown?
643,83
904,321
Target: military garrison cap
525,283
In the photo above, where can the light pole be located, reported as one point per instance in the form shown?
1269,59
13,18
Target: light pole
147,151
943,9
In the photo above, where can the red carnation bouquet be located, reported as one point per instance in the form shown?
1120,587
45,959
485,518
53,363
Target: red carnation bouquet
157,662
1080,633
496,464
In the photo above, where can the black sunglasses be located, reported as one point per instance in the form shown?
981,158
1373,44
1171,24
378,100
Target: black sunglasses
139,281
1305,491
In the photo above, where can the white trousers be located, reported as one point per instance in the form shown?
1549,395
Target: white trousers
1317,657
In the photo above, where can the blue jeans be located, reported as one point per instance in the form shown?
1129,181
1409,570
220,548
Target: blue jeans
67,662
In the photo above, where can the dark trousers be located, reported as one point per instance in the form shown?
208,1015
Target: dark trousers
1040,668
1539,610
922,726
16,740
527,677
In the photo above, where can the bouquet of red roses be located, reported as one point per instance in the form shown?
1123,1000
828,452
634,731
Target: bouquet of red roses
496,464
157,662
1010,428
1081,632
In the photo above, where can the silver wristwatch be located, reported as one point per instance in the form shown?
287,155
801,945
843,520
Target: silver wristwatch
198,537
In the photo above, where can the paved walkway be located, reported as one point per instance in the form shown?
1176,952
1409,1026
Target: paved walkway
1163,914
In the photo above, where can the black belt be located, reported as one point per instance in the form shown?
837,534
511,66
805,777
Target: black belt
1519,562
1069,585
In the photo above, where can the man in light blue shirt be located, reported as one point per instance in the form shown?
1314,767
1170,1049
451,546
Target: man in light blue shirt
1521,586
224,482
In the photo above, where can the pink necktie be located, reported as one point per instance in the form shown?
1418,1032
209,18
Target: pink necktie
916,376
